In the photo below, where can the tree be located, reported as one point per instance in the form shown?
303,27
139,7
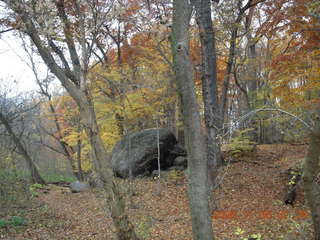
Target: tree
57,134
296,79
209,85
311,176
196,148
245,79
135,91
215,107
295,57
48,22
8,113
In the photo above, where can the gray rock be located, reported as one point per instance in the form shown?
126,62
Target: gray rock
180,161
77,186
178,150
142,157
155,173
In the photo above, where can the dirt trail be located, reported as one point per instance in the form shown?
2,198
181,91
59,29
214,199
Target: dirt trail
250,198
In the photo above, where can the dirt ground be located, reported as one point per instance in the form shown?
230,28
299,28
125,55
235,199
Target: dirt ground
249,201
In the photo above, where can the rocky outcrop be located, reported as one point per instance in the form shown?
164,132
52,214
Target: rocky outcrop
138,152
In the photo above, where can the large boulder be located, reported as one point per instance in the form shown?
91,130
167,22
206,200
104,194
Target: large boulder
180,162
77,187
141,152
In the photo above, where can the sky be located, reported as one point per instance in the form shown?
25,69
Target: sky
13,66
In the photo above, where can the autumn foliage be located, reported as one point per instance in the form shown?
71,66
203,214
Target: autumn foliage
295,61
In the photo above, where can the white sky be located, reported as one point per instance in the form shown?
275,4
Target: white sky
12,66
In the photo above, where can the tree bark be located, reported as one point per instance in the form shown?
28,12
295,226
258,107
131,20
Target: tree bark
311,177
195,141
79,149
171,107
125,230
250,80
212,114
35,176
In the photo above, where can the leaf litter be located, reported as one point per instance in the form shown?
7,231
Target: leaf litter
249,201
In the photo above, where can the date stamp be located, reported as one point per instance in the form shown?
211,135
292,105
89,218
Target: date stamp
264,214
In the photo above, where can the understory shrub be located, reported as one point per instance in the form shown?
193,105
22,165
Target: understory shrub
13,221
14,190
241,144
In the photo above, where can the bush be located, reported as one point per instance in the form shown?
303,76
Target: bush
13,189
175,175
13,186
18,221
3,223
241,145
34,189
15,221
54,177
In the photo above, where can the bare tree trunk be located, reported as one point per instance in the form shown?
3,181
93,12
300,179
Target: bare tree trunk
171,117
251,82
158,160
115,200
171,107
79,148
311,177
251,74
212,115
35,176
226,80
195,141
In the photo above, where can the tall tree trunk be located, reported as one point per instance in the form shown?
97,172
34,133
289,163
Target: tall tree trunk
212,115
116,203
311,177
171,107
195,141
251,81
79,148
252,84
35,176
226,80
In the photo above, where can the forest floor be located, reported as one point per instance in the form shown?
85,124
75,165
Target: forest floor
248,201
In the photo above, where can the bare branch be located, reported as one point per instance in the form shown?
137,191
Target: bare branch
266,109
68,35
163,54
7,30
